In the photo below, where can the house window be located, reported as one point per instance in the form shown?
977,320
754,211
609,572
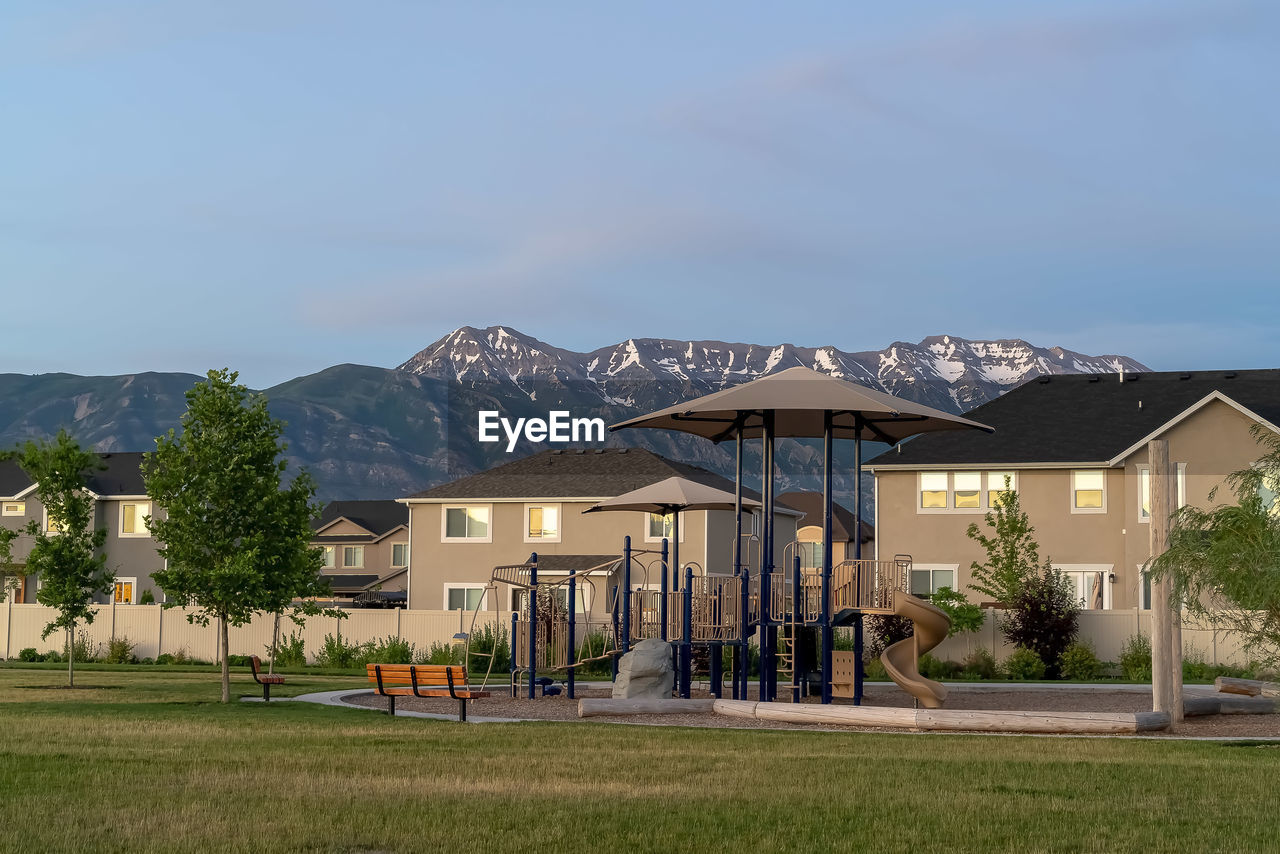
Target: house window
1144,490
466,524
353,556
463,597
15,587
330,557
968,490
933,490
51,525
1090,584
810,555
580,593
542,523
124,590
659,526
15,508
927,580
133,518
999,483
1269,492
399,554
1088,491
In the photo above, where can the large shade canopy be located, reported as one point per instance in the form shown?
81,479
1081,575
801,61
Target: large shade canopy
672,494
799,397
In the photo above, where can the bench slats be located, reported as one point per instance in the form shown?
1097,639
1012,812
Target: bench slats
423,680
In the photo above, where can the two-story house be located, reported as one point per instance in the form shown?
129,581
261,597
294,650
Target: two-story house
809,530
459,531
1074,447
121,506
366,550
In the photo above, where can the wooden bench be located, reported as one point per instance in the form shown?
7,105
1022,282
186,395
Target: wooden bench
423,680
266,680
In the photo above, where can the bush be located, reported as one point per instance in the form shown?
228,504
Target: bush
731,654
1079,661
1195,668
486,640
86,651
164,658
1024,664
147,661
883,630
291,651
873,671
440,653
52,656
239,661
337,653
1135,659
120,651
146,597
389,650
980,664
1043,617
29,654
933,668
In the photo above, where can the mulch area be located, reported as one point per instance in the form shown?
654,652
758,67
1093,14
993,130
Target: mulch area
561,708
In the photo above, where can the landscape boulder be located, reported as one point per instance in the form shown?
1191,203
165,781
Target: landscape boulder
645,671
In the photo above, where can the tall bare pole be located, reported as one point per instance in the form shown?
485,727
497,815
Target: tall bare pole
1166,662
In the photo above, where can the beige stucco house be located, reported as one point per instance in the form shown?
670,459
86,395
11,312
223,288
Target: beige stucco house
459,531
121,506
1074,447
809,530
366,550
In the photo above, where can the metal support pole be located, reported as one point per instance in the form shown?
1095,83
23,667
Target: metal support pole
796,619
662,602
686,640
515,625
626,595
768,631
824,621
533,621
741,653
571,652
675,550
857,555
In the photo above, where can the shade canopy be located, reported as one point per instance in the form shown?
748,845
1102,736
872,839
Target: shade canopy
672,494
799,397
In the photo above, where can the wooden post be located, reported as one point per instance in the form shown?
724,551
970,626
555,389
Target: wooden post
1163,694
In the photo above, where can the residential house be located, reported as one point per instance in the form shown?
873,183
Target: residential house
459,531
121,506
366,550
809,530
1075,449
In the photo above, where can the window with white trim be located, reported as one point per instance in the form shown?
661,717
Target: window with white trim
1144,490
658,526
125,591
330,557
933,490
51,525
399,554
542,523
464,597
1269,492
353,557
927,580
967,492
1092,586
15,508
464,523
810,554
998,484
133,518
1089,491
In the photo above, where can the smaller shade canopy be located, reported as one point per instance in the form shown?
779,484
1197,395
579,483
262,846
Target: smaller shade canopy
799,397
674,493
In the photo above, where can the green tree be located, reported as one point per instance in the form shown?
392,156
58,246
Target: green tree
965,616
1013,556
235,539
67,559
1225,562
7,565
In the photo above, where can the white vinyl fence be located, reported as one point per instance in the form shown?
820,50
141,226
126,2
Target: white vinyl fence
154,630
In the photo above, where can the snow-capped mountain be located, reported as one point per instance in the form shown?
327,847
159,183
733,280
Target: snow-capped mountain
947,372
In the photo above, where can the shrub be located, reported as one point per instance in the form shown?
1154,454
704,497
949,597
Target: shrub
1195,668
597,644
239,660
85,650
440,653
120,651
1043,617
883,630
147,661
731,654
164,658
291,651
1135,659
964,615
933,668
337,653
1024,664
980,664
389,650
29,654
51,655
486,640
1079,661
873,671
146,597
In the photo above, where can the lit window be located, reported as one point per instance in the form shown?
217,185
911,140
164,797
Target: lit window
926,582
466,523
1144,490
968,490
400,554
15,508
1269,492
1087,489
463,598
810,555
330,557
998,484
660,526
353,556
542,522
124,591
51,525
133,518
933,490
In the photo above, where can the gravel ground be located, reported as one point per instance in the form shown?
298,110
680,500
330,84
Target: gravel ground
1057,699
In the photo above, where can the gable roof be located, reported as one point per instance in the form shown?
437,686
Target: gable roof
842,519
378,517
1086,418
121,475
596,473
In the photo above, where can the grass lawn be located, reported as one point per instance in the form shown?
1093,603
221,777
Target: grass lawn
148,760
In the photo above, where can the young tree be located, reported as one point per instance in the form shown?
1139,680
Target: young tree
67,558
7,566
1013,556
1230,556
235,540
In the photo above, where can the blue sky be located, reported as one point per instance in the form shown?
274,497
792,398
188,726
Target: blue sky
279,187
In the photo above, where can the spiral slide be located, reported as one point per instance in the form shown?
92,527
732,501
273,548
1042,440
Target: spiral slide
901,660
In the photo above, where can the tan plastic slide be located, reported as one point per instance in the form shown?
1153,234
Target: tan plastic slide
902,659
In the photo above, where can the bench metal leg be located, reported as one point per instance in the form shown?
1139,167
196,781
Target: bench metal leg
391,705
266,692
462,711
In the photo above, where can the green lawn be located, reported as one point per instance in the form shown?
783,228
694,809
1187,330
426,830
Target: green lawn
147,760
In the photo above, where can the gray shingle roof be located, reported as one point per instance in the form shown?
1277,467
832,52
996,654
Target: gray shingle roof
842,519
377,516
121,475
1077,418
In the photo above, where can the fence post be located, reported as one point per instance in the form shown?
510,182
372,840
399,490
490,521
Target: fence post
399,636
159,631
